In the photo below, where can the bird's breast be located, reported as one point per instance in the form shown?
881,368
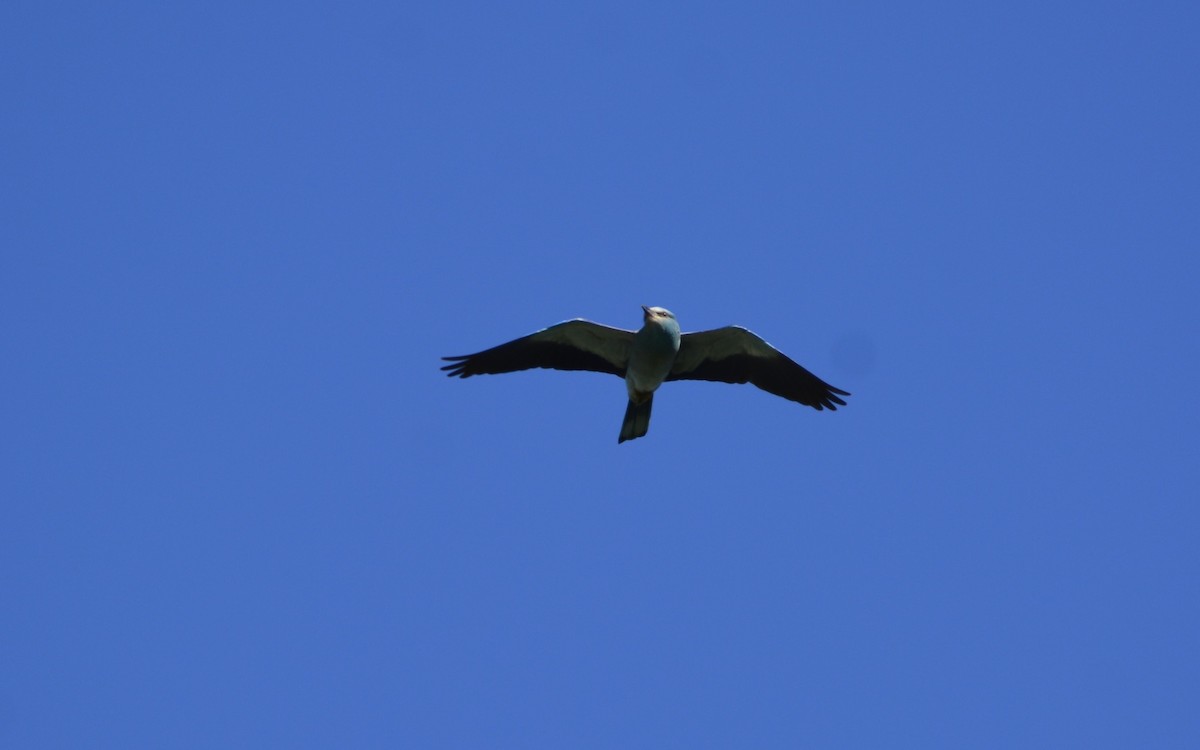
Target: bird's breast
651,357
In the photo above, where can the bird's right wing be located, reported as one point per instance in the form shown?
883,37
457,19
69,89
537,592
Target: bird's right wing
734,355
571,345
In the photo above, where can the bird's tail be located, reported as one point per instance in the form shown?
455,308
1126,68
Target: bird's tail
637,419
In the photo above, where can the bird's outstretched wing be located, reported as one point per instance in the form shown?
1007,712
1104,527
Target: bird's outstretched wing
735,355
571,345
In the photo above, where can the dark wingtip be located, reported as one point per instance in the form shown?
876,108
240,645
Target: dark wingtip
828,400
831,399
457,367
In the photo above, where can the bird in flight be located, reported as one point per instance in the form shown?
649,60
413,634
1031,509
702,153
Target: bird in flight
648,357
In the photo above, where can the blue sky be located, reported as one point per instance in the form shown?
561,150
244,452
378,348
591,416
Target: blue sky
243,508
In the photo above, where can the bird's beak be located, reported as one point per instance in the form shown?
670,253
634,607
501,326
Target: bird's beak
646,310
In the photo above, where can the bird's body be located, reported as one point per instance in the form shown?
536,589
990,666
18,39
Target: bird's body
651,356
656,353
653,352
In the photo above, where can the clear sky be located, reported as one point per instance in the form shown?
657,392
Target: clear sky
242,507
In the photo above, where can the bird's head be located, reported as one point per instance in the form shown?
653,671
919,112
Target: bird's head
656,313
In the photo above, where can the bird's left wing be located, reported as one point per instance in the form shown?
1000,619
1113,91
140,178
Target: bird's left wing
736,355
571,345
